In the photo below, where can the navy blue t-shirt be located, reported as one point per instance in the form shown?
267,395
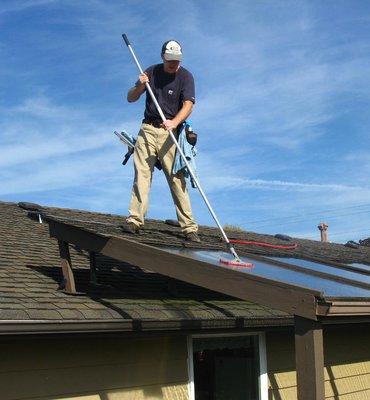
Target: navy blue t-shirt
170,90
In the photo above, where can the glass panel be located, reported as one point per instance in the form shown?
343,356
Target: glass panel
361,266
226,368
277,273
324,268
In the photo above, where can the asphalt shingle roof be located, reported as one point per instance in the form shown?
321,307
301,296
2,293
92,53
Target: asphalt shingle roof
30,274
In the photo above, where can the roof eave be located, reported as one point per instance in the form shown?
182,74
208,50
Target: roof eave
37,327
348,307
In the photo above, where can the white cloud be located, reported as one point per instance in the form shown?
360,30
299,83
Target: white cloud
48,147
42,107
38,129
236,183
269,90
17,6
60,174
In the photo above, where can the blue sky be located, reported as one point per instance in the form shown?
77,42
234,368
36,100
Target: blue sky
282,108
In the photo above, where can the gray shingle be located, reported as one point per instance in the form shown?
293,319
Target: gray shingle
13,315
30,272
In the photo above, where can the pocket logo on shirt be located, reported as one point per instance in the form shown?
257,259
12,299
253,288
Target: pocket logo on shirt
170,91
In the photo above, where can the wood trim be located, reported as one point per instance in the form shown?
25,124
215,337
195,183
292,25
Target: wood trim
65,260
93,278
282,296
309,353
322,308
343,307
348,308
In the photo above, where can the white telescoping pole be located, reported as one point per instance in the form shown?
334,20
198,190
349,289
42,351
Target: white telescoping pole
149,89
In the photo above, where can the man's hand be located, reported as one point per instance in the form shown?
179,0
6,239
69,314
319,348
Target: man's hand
181,116
135,92
143,79
169,124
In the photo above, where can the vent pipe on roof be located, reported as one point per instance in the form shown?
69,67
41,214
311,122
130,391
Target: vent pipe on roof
323,228
34,210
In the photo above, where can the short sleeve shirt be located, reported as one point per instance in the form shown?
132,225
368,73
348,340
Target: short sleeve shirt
170,90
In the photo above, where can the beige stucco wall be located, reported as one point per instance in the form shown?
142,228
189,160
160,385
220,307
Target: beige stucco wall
94,369
347,364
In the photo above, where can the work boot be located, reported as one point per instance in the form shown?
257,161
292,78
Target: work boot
192,237
130,227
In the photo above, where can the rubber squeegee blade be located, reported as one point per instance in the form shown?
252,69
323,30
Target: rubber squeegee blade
235,263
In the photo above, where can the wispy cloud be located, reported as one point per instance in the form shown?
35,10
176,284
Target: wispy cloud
48,130
42,107
47,147
62,173
16,5
281,107
237,183
283,83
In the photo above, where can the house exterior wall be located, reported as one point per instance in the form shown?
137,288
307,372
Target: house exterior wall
347,363
155,367
94,369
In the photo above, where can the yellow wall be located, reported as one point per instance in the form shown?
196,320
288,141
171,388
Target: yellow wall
347,364
94,369
156,367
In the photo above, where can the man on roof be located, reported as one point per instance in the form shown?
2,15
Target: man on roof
173,87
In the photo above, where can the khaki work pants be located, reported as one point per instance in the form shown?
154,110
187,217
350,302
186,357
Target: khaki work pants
152,144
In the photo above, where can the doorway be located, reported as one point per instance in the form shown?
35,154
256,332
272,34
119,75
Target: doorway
225,368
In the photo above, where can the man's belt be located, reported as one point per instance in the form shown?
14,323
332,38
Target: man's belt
158,123
154,122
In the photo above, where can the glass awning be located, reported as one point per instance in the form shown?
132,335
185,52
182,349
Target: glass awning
310,289
331,281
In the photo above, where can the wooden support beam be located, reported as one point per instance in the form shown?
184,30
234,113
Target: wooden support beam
66,263
309,355
92,267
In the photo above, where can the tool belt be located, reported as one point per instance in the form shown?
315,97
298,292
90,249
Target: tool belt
191,136
154,122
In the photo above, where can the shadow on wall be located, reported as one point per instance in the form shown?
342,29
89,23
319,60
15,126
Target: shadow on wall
273,391
347,362
333,385
178,392
170,392
282,385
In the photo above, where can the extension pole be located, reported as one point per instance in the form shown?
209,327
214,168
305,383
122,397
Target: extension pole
149,89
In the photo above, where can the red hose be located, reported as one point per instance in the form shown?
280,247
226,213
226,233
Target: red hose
263,244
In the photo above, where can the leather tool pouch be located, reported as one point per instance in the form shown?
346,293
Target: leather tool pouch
191,137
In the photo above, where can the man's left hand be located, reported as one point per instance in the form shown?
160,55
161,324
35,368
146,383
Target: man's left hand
169,124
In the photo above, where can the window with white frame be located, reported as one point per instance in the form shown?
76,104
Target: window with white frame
227,367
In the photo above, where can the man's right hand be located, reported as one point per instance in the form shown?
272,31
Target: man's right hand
143,78
135,92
